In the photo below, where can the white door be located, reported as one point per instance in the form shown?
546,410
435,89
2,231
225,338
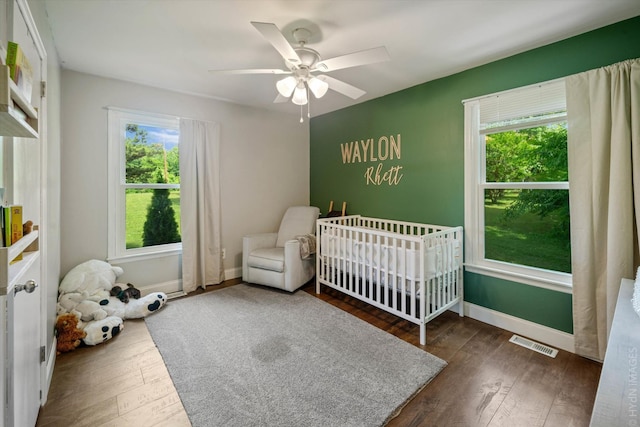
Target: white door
22,174
23,318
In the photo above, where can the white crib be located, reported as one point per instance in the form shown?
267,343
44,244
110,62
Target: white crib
408,269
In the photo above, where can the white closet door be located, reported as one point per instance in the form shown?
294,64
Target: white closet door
23,310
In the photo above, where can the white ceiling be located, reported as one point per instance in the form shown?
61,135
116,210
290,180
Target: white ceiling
173,43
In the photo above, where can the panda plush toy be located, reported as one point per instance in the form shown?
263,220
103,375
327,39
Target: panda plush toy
86,292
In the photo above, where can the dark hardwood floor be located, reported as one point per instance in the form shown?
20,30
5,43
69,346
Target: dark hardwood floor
488,381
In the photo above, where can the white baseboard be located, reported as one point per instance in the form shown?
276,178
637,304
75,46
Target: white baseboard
526,328
232,273
167,287
174,287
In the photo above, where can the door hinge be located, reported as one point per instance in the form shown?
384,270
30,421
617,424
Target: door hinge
43,354
43,89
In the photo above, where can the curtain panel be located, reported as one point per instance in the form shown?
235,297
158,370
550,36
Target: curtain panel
603,115
200,218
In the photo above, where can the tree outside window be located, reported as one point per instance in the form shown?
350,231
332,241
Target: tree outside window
528,226
152,174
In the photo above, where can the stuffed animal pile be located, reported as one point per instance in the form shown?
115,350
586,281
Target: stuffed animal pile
85,293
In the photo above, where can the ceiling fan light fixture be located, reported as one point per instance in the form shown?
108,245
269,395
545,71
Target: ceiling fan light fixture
301,61
300,94
286,86
318,87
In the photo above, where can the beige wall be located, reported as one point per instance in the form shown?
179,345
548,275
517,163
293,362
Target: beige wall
265,168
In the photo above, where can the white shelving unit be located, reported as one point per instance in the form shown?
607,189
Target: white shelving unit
18,118
17,115
28,246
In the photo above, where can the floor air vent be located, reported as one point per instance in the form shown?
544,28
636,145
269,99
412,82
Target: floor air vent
532,345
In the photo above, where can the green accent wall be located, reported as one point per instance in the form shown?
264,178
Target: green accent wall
538,305
426,183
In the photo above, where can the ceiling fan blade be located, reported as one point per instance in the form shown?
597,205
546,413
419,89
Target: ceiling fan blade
342,87
280,99
254,71
278,41
363,57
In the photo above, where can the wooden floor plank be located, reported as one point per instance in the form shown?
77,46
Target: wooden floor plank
145,394
91,415
529,401
574,400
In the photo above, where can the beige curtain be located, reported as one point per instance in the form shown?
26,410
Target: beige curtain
200,221
603,113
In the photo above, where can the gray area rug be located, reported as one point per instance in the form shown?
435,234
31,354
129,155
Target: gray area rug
252,356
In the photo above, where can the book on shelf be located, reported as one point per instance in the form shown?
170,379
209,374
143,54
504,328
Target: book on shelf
11,224
20,69
16,223
6,226
2,228
16,226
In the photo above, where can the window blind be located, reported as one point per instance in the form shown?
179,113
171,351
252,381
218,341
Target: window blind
530,101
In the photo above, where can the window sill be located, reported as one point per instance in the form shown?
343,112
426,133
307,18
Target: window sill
527,279
142,256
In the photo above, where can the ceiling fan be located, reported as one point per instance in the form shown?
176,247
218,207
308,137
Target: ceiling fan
306,69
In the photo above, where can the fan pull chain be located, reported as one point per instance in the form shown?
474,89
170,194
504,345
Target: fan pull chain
308,102
308,106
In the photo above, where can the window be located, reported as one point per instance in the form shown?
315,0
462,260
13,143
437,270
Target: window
144,184
517,186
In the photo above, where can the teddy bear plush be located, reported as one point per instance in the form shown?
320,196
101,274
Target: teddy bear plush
85,292
69,335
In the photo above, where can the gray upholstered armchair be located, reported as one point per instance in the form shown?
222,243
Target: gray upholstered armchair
275,259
